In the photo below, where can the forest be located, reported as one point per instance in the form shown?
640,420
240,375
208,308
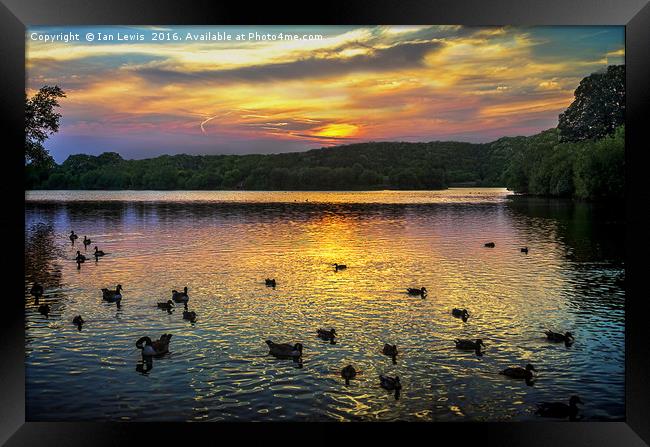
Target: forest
582,158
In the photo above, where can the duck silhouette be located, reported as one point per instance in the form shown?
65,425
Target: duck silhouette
285,350
180,297
422,291
390,351
328,335
460,313
154,348
560,410
348,373
78,321
470,345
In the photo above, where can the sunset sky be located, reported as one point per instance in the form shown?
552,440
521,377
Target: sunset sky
145,98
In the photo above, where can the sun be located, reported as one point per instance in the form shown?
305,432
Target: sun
340,130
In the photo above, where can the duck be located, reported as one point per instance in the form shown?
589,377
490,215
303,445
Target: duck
36,290
112,295
567,337
524,250
327,335
86,241
390,383
154,348
189,315
474,345
73,237
413,291
489,244
559,409
270,282
390,351
460,313
167,306
338,267
180,297
98,252
78,321
517,372
44,309
284,349
80,258
348,373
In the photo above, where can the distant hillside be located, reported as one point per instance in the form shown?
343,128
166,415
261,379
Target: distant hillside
386,165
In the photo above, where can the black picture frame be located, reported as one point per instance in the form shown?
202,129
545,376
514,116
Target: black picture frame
634,14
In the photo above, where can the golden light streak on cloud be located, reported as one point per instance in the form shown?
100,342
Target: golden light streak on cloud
337,130
520,107
619,52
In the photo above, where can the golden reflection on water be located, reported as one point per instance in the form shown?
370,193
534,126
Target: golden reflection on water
223,250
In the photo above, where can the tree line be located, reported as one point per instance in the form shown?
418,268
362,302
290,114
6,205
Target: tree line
381,165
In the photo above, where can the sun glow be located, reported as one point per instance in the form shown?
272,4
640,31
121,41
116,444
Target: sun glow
337,131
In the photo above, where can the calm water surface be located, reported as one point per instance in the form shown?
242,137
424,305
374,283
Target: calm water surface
222,245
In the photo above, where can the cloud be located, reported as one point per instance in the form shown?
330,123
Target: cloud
401,56
410,83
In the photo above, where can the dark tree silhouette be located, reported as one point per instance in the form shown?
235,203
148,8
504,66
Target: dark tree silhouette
598,108
41,121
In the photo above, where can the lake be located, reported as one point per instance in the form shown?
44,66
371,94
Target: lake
223,244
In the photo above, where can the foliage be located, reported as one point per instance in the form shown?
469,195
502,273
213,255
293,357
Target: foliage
40,122
592,169
432,165
598,108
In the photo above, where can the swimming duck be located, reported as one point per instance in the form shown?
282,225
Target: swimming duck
73,237
460,313
154,348
390,351
517,372
338,267
167,306
421,291
44,309
98,252
112,295
390,383
284,349
327,335
189,315
559,409
86,241
567,337
524,250
348,373
80,258
180,297
489,244
474,345
270,282
78,321
36,290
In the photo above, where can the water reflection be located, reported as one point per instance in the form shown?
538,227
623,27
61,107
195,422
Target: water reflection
219,367
144,366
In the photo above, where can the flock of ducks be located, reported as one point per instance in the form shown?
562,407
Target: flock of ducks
157,348
80,258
